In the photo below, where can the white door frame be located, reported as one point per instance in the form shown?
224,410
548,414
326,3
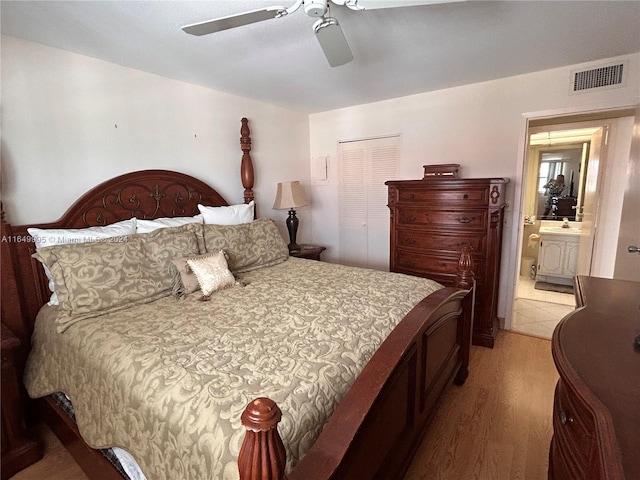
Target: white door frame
602,112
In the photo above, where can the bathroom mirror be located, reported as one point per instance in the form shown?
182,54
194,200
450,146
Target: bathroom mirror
558,185
553,153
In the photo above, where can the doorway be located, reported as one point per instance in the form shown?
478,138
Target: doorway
590,154
557,165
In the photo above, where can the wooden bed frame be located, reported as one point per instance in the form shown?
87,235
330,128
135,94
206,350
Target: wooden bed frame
374,431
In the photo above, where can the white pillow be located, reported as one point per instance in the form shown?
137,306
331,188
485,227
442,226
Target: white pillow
231,215
146,226
62,236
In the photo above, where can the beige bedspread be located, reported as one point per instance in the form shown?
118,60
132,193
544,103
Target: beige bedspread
168,380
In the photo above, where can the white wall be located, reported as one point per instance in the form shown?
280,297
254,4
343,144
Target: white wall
59,135
479,126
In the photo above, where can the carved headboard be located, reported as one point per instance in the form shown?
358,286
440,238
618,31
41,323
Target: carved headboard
145,194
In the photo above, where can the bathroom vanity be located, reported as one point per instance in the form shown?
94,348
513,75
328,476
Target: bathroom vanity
558,254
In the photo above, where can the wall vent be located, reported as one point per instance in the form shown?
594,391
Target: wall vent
609,76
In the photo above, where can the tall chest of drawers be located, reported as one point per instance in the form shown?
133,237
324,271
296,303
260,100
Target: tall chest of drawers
431,219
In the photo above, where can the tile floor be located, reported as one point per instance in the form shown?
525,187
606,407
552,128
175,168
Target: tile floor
537,312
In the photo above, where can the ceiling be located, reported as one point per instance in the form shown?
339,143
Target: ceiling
398,51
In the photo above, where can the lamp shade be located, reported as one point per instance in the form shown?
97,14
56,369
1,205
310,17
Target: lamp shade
289,195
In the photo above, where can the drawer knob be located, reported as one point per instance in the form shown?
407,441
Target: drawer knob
465,219
465,196
565,419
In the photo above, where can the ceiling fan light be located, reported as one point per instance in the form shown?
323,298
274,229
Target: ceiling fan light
316,8
333,42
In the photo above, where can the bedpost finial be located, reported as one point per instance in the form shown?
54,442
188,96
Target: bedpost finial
245,135
261,414
464,277
262,455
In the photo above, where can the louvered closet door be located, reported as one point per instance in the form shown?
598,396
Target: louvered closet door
364,216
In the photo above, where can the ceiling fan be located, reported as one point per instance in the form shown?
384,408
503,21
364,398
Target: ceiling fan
327,29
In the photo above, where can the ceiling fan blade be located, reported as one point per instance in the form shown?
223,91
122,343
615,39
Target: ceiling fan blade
232,21
375,4
333,42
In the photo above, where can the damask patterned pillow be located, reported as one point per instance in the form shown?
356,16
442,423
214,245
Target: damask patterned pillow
62,236
96,278
248,246
163,245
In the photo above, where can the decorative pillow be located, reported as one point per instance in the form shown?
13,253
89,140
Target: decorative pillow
231,215
63,236
164,244
248,246
95,278
92,279
212,272
146,226
184,280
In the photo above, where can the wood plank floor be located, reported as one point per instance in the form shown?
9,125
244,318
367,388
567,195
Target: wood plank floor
496,426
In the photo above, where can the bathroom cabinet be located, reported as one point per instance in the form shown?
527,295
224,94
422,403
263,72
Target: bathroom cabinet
558,258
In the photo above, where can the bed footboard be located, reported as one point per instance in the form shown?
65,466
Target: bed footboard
376,428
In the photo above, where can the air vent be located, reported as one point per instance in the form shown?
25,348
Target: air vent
608,76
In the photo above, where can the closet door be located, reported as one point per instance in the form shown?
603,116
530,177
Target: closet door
364,216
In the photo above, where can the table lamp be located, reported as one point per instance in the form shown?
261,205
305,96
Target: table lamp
289,196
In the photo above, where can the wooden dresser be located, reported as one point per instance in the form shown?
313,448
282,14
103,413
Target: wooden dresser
432,218
596,411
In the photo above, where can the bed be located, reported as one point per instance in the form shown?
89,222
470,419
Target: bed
406,340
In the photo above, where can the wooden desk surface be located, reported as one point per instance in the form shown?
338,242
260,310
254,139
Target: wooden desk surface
594,346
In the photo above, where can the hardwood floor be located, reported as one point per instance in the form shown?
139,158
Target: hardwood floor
496,426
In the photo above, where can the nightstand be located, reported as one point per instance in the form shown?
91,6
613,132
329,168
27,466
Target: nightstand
18,450
308,251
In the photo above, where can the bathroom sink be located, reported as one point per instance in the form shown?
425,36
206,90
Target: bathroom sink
560,231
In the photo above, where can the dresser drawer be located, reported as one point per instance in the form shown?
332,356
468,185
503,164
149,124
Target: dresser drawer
448,242
455,220
573,429
430,263
577,414
558,468
441,195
